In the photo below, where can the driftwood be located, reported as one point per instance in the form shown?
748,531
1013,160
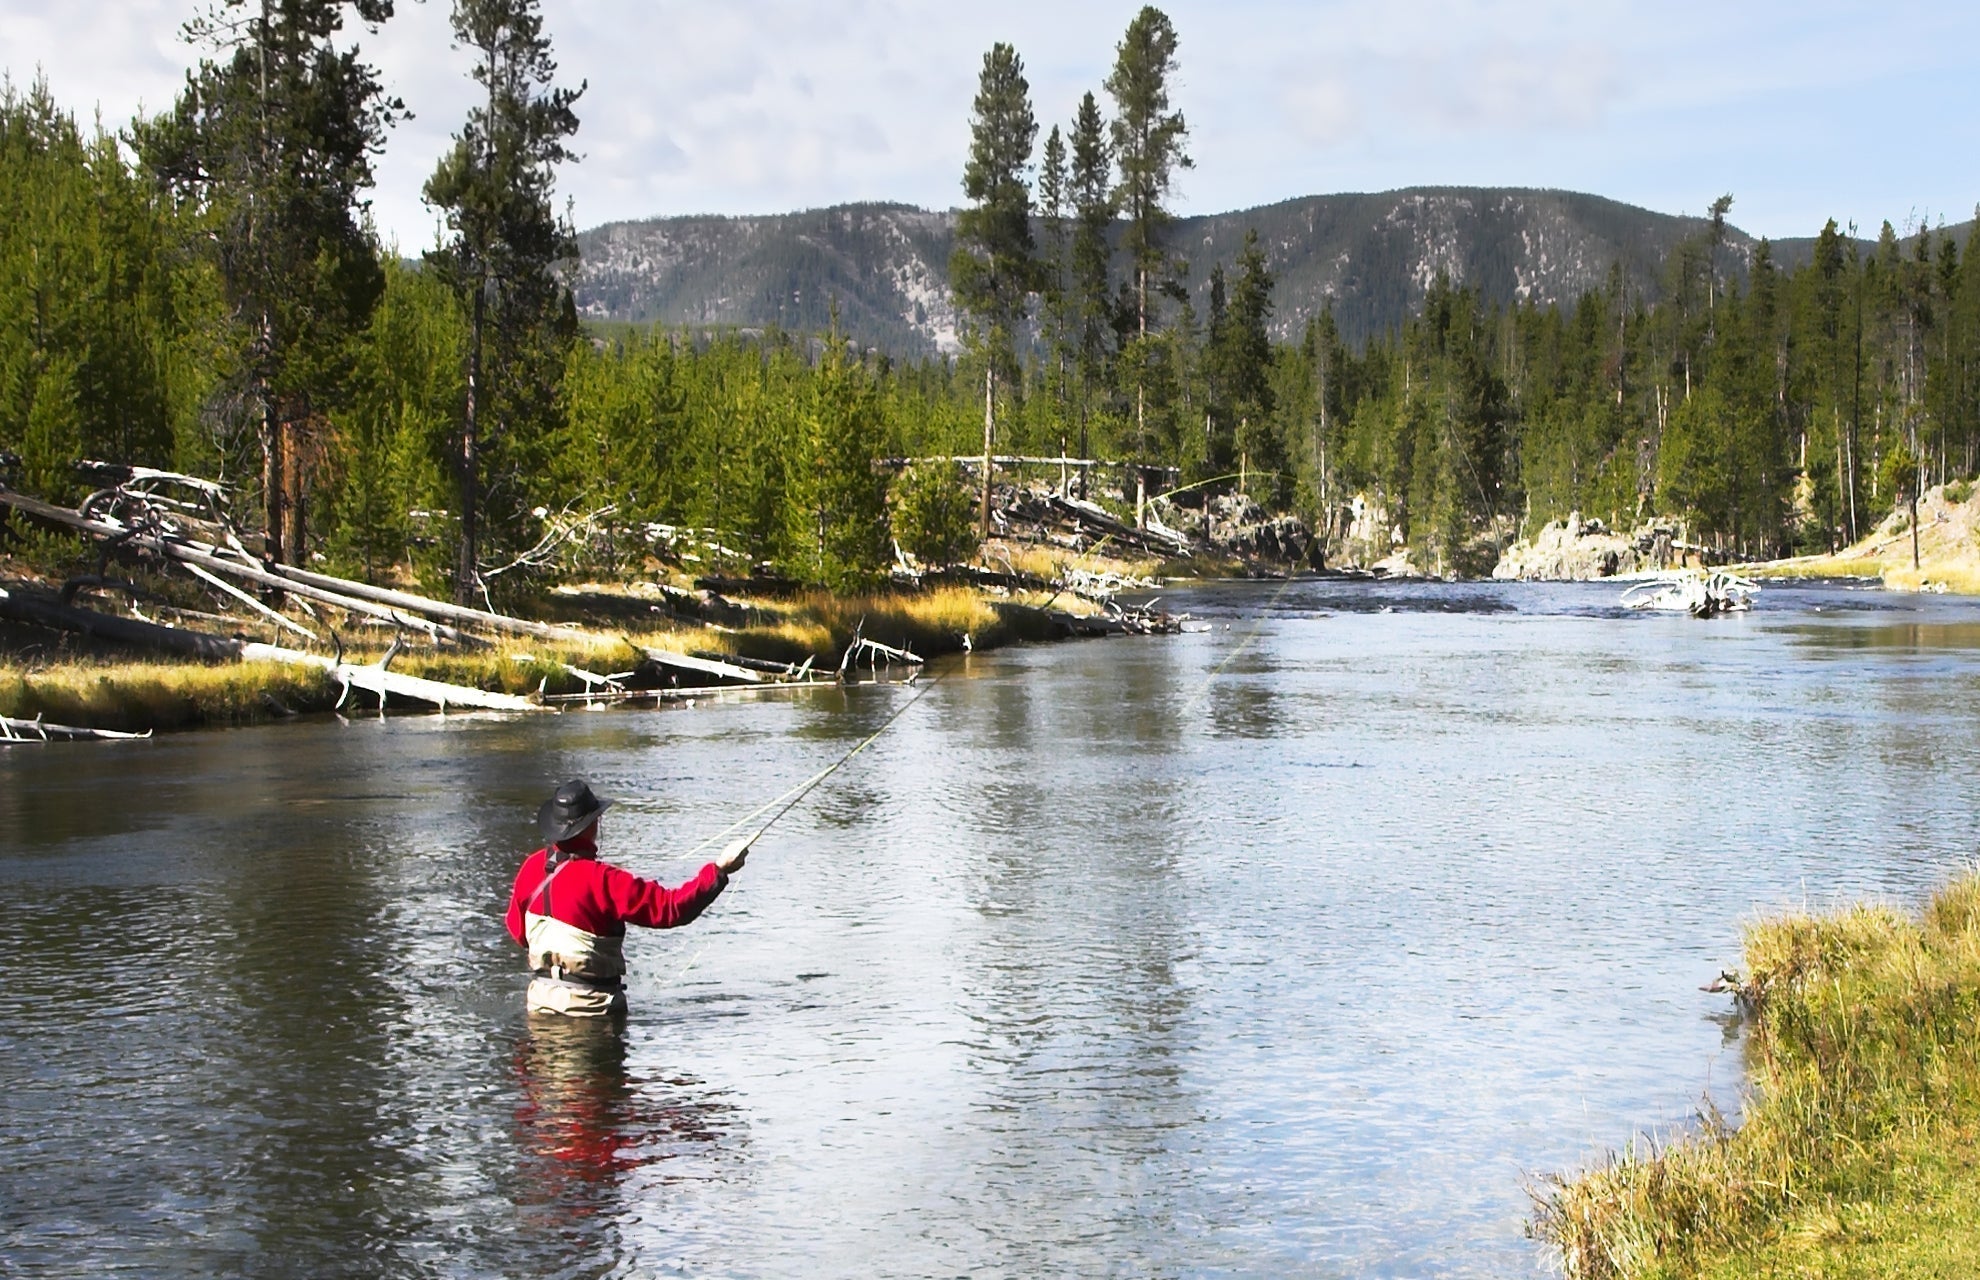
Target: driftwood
704,667
25,607
378,681
14,729
789,670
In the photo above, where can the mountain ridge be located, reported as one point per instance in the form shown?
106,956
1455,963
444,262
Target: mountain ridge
883,267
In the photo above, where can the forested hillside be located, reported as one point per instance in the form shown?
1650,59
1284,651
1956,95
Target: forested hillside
1485,361
1372,257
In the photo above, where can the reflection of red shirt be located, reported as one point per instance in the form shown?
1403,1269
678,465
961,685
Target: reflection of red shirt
600,898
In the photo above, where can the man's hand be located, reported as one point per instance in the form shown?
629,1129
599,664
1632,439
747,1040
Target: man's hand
730,860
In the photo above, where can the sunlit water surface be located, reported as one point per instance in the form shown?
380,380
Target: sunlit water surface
1300,946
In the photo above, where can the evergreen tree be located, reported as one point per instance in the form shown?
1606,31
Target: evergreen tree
1090,184
505,245
111,336
1148,146
271,141
838,503
1054,215
993,269
1247,360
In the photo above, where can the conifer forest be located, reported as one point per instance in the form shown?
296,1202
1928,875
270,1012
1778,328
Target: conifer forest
201,291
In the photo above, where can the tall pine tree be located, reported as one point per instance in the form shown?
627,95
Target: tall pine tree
504,246
993,268
272,140
1148,147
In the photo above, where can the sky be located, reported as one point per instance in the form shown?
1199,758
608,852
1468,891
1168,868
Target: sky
1803,110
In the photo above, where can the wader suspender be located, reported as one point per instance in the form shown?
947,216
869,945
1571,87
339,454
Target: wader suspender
543,891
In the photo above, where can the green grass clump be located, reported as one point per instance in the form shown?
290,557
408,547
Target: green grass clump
1860,1151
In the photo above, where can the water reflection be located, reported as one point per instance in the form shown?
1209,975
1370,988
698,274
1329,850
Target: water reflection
585,1122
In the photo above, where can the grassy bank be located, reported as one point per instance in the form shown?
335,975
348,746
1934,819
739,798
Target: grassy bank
1948,548
108,692
1859,1154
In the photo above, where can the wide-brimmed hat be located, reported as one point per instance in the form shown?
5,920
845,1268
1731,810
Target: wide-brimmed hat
570,811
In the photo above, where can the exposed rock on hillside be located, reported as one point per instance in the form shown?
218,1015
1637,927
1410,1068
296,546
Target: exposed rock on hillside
1233,524
1370,256
1577,550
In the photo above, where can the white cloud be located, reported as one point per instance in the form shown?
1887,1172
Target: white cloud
763,105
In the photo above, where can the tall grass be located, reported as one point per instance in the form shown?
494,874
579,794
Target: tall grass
1864,1051
134,696
169,694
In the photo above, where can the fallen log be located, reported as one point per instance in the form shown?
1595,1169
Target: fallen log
13,729
376,680
219,584
248,573
23,606
703,666
410,603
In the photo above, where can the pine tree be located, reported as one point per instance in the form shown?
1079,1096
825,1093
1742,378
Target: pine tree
272,142
1247,346
1148,146
504,248
1091,193
993,269
1054,215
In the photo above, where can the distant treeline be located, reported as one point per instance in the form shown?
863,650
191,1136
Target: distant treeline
440,417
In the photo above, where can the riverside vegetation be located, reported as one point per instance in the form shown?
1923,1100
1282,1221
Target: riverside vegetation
1859,1150
434,415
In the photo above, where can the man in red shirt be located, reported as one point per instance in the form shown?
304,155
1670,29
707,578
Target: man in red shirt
571,910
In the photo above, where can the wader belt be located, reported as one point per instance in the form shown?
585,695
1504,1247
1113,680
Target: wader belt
557,974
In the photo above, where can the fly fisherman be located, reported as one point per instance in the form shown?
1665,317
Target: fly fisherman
571,910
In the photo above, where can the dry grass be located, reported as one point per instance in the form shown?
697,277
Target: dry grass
1866,1096
166,694
1948,548
820,624
1816,567
134,696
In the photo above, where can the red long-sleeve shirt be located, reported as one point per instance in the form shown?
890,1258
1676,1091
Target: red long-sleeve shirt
600,898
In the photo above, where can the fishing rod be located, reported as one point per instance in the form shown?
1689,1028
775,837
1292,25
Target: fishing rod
790,799
1235,475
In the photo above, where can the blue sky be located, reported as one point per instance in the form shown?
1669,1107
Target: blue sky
1803,111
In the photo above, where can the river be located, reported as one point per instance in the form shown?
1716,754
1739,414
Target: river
1298,946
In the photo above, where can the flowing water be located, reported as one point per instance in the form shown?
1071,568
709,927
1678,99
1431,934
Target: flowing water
1294,947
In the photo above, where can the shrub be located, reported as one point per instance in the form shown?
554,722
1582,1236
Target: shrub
934,514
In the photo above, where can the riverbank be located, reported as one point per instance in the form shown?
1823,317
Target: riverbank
1947,542
90,683
1859,1153
1947,548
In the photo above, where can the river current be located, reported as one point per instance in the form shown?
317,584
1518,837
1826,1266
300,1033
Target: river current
1301,946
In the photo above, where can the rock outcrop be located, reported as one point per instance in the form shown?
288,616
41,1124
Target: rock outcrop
1577,550
1233,524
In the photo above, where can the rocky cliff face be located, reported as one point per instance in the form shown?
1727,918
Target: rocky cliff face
1370,256
884,267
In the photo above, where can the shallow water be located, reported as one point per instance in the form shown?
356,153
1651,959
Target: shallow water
1291,947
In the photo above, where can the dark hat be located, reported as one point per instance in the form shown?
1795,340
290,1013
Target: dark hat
570,811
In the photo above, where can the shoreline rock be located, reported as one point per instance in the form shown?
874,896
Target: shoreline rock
1578,550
